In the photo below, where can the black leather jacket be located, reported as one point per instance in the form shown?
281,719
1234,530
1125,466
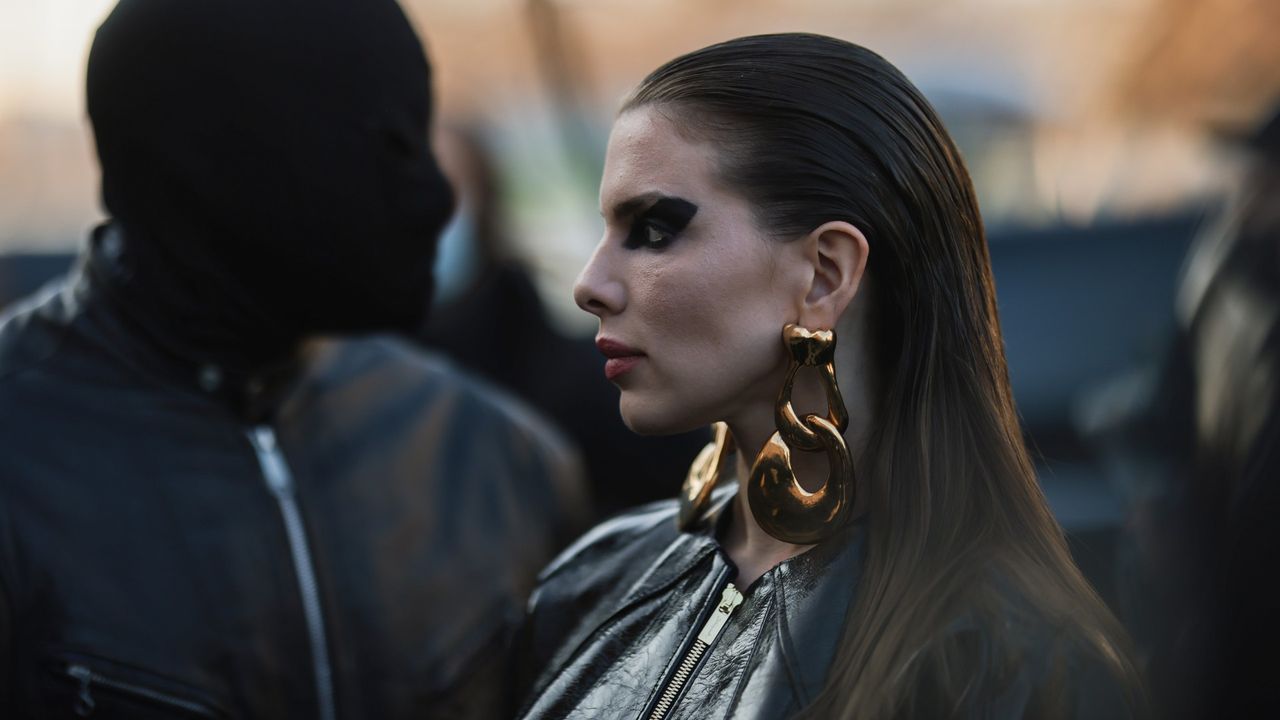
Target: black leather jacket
616,615
354,553
634,618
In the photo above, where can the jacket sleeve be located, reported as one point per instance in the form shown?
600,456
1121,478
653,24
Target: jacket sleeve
483,690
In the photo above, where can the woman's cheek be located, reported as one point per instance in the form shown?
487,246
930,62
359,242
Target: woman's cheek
672,307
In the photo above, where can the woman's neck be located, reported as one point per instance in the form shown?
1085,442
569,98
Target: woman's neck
752,549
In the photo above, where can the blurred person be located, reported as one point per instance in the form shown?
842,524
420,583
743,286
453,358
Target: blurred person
482,285
1203,593
204,510
799,184
1234,290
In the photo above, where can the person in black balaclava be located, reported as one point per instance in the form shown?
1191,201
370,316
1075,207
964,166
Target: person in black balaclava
269,166
204,509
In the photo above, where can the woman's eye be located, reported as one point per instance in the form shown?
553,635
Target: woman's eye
649,235
659,225
657,237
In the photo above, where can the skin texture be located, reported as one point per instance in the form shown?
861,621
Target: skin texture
706,307
713,294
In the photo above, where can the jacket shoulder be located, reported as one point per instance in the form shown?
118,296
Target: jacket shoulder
401,370
381,375
387,387
633,534
31,330
586,583
603,568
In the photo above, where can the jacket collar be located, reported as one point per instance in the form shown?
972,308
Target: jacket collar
251,393
813,591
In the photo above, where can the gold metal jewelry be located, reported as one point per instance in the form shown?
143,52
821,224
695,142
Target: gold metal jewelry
781,507
703,476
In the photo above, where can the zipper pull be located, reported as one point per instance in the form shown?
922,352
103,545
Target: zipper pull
730,599
263,439
84,705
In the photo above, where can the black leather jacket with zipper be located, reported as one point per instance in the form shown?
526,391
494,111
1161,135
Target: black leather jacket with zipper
640,620
356,552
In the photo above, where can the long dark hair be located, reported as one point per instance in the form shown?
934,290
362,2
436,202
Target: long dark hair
812,129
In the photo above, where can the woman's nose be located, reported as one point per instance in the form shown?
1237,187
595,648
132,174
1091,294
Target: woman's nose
598,290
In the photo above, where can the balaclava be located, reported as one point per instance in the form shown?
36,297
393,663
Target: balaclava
268,162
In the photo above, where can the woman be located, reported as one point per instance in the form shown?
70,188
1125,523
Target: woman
798,184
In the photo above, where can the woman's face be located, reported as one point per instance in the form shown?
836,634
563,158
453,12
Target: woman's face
690,291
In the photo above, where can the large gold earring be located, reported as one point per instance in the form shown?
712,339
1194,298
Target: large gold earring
703,476
781,507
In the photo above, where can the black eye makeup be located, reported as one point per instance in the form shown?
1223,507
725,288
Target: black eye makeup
656,226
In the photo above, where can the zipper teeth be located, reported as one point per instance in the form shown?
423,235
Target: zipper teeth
678,680
85,675
730,599
280,482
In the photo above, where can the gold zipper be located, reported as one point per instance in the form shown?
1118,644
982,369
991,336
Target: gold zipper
730,599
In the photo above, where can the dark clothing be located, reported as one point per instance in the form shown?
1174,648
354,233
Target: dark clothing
1216,658
201,513
1200,449
344,536
614,618
613,615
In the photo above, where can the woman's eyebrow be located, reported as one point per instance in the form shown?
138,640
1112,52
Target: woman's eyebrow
673,211
633,206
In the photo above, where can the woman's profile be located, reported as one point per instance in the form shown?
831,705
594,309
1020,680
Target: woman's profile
793,253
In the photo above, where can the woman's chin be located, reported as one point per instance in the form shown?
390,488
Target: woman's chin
647,420
643,425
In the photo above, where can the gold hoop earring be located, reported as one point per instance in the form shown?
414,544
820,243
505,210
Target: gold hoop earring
703,476
781,507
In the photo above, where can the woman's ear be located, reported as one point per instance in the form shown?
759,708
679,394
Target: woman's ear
837,252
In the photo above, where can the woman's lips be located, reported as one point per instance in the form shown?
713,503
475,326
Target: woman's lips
615,367
621,357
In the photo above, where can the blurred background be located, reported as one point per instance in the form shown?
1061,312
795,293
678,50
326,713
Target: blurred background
1104,138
